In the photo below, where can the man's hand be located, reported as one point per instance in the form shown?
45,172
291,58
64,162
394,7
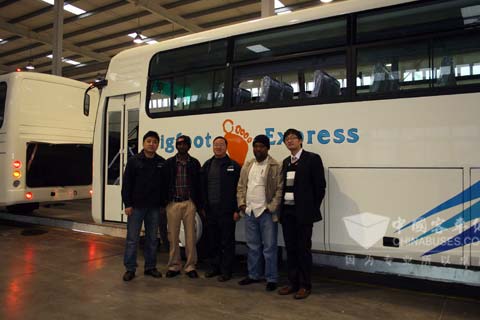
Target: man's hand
129,211
236,216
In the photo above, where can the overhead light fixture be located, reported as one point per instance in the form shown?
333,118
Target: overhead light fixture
138,38
258,48
69,61
325,1
68,7
30,66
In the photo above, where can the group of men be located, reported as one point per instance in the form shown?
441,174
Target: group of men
263,191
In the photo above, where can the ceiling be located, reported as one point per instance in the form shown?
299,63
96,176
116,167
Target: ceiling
92,38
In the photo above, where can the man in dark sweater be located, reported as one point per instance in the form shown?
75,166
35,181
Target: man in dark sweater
219,184
144,191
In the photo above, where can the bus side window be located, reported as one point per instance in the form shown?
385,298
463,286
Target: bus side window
272,90
325,85
241,96
383,79
446,76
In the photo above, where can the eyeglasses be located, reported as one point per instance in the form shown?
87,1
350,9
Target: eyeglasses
290,138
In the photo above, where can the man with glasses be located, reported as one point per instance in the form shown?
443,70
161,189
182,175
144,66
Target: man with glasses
303,192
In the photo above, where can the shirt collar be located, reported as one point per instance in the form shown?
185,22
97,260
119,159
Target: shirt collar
178,160
297,155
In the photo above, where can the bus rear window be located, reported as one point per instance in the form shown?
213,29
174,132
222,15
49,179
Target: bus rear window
3,98
50,165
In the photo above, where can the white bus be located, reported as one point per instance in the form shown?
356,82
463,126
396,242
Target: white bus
386,91
45,140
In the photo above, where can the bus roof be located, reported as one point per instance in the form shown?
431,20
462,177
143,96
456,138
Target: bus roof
142,55
42,77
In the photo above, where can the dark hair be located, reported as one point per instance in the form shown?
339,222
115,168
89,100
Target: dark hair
152,134
223,138
294,132
263,139
186,139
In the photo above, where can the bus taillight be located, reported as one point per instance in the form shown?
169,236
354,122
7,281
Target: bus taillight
28,195
17,164
91,192
17,174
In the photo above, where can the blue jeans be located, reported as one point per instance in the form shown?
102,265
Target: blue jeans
134,225
261,234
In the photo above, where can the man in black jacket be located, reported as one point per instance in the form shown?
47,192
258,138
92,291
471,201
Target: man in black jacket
143,193
184,196
303,192
219,183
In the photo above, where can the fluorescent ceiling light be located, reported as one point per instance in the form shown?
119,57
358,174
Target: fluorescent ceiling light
144,38
75,63
258,48
280,8
68,7
278,4
325,1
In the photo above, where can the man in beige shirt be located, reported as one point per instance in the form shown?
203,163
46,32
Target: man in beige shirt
259,194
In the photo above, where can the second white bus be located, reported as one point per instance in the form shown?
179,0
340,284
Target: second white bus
45,140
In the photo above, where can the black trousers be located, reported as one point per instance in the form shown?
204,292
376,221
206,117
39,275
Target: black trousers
162,226
221,231
298,242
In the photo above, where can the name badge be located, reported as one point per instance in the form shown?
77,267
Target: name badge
230,168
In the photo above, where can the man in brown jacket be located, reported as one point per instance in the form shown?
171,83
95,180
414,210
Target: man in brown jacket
259,193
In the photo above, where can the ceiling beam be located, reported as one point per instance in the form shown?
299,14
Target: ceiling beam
158,10
4,68
46,38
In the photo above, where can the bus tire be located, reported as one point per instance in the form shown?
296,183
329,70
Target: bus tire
23,207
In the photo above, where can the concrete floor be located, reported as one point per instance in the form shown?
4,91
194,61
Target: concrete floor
52,273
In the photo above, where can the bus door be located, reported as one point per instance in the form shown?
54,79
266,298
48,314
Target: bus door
121,143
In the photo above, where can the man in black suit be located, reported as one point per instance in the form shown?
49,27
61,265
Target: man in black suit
303,192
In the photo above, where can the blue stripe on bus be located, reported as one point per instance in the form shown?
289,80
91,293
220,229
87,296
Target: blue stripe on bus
461,218
469,194
467,237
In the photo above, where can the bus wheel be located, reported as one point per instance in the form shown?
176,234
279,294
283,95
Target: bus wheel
23,207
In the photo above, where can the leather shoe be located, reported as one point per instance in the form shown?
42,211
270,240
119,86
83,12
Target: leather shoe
224,277
192,274
302,293
247,280
153,272
212,273
172,273
271,286
129,275
286,290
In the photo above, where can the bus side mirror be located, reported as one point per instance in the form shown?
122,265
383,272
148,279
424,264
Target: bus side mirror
86,98
86,104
